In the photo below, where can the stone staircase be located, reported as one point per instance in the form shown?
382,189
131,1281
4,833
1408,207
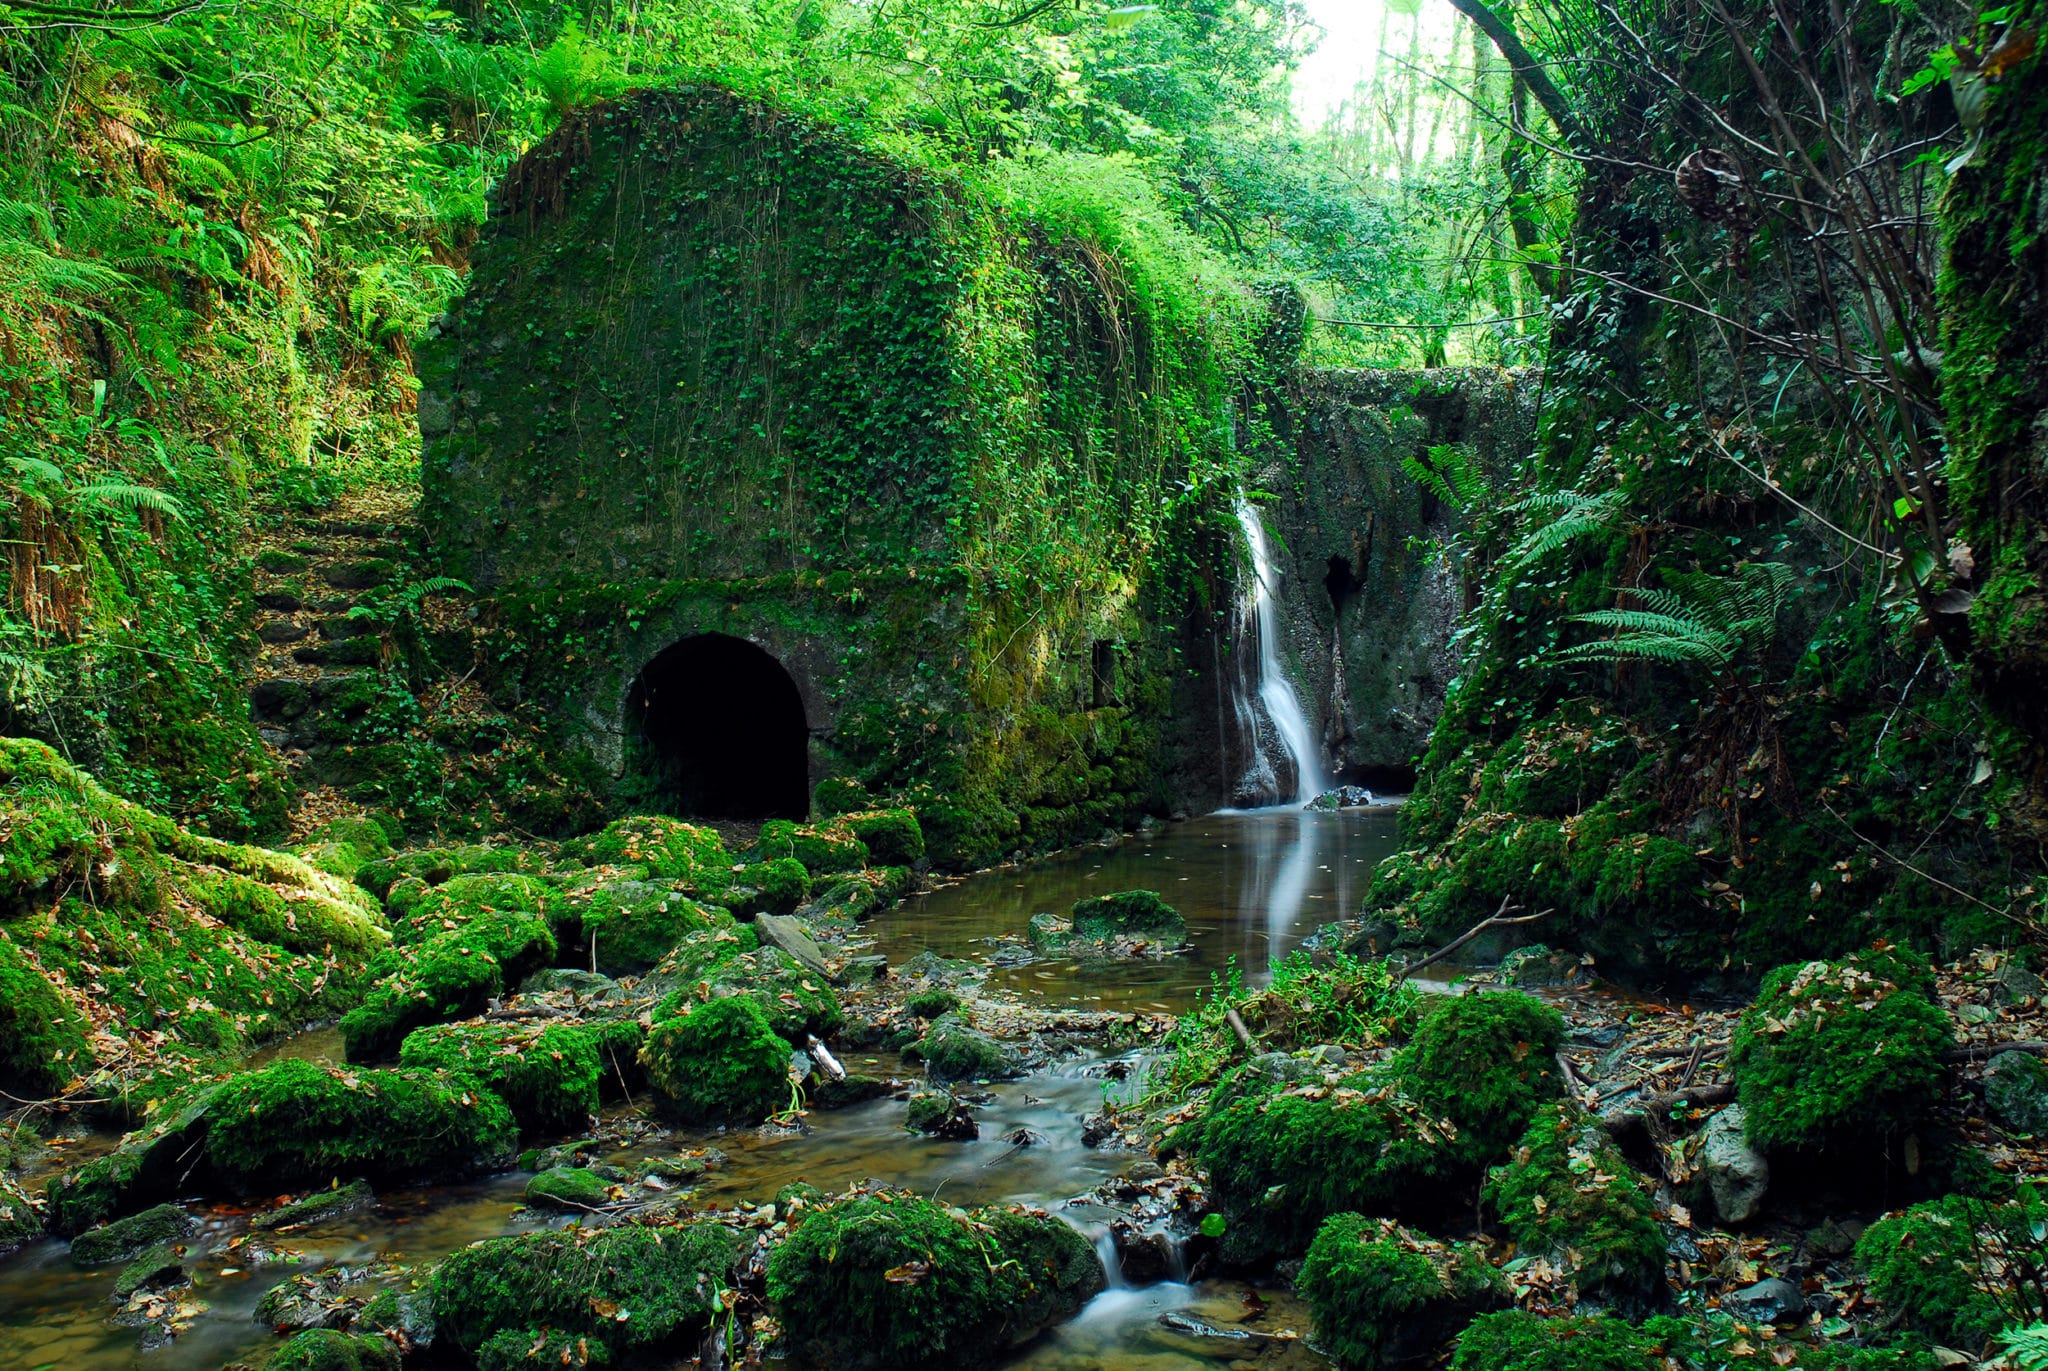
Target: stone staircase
316,677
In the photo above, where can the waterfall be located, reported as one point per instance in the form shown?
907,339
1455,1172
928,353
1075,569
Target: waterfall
1276,693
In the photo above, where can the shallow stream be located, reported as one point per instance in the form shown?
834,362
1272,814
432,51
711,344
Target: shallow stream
1251,885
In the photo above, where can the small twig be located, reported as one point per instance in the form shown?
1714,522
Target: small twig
1699,1052
1571,1078
1244,1035
1498,919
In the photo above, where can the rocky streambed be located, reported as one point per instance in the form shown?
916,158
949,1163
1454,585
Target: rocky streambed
900,1133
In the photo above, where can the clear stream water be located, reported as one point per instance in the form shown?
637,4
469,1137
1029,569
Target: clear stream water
1252,885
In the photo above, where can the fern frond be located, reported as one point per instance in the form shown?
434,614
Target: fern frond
2026,1348
128,495
1584,514
1641,621
1671,649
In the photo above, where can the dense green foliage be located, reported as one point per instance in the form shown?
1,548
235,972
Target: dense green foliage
1960,1269
1529,1342
893,1280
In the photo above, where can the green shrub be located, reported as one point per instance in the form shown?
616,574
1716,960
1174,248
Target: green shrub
1486,1062
549,1075
1569,1190
295,1122
631,925
323,1349
1840,1053
1514,1340
1959,1268
626,1287
719,1063
891,836
1382,1295
977,1283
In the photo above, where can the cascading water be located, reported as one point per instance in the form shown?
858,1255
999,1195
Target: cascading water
1276,694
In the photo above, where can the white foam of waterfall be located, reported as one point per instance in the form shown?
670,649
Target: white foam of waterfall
1276,692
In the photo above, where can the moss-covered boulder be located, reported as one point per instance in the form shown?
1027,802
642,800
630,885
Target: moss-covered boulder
719,1062
20,1220
1569,1192
1487,1062
1955,1267
898,1281
1128,914
1840,1054
437,865
954,1050
324,1349
551,1075
891,836
127,1238
148,1166
567,1187
631,925
1516,1339
626,1288
184,950
472,940
937,1114
1403,1139
1383,1296
514,1350
796,1001
824,849
295,1121
331,1203
776,886
670,849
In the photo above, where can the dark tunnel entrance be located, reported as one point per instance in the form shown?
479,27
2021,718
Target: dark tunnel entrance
719,732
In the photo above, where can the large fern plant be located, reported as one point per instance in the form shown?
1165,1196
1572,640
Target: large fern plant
1705,621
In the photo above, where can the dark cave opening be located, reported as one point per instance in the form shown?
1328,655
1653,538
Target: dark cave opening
1342,582
719,732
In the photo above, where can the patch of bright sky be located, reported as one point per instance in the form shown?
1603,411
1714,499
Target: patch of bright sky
1353,31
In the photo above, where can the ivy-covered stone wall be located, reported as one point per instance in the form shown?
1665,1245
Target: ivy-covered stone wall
722,369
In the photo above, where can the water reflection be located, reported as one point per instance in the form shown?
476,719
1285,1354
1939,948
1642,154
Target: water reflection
1252,884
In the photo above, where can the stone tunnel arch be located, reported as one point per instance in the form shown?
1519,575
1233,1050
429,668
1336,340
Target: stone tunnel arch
716,729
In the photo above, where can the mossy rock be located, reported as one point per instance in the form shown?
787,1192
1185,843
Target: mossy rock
719,1063
937,1114
324,1349
797,1002
437,865
626,1287
1840,1054
1486,1061
931,1004
472,896
549,1074
333,1203
954,1050
1516,1339
632,925
98,892
511,1351
1383,1296
892,836
467,945
1399,1140
889,1281
669,848
295,1121
123,1239
148,1166
567,1187
824,849
1569,1191
777,886
1935,1266
1128,914
20,1220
